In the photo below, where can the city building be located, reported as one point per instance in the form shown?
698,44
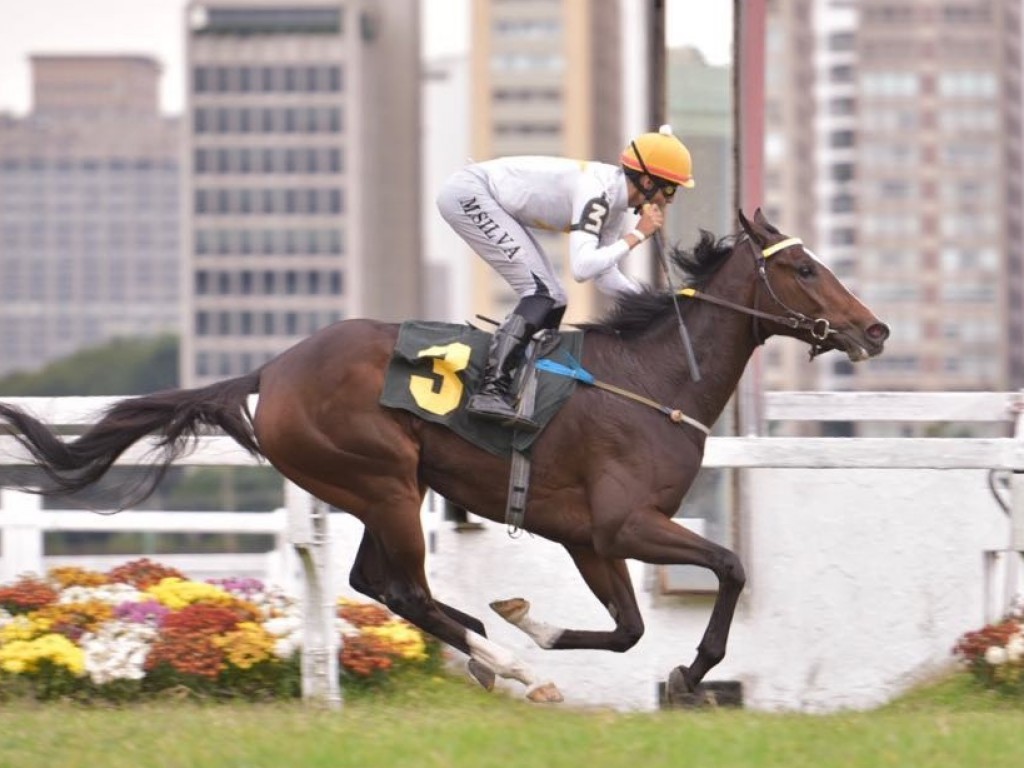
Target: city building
918,178
445,139
303,174
90,218
546,79
700,109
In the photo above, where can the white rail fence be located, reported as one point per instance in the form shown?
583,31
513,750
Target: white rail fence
300,559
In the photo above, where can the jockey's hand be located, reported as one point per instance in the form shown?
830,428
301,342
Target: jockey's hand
652,218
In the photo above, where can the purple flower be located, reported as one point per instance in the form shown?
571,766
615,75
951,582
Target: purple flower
149,612
240,586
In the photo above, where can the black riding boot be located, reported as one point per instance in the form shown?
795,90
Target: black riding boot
493,400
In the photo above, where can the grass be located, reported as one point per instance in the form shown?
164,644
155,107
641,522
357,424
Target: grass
438,721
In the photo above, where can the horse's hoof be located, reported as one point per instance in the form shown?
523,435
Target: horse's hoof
482,674
512,610
680,692
545,693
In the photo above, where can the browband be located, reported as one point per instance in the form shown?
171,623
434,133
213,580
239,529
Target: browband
773,249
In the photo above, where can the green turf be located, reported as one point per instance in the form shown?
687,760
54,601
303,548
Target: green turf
438,721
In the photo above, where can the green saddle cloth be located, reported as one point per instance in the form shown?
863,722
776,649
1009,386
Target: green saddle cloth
436,366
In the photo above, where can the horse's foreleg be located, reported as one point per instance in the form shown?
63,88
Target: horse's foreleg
609,580
649,536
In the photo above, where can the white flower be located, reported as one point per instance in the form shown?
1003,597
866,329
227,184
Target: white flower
345,629
996,655
5,618
287,629
286,647
114,594
1015,648
282,626
117,651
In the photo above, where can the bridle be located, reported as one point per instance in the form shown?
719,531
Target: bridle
819,329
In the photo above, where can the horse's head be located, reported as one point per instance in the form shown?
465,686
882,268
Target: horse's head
809,300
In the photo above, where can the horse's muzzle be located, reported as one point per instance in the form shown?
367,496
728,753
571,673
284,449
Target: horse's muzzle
863,343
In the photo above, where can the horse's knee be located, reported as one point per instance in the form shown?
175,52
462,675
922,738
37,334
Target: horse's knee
626,636
730,570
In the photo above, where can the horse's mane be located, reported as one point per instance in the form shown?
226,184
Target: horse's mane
634,313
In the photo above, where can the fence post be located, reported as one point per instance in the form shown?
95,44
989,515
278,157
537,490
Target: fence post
1017,503
308,521
21,525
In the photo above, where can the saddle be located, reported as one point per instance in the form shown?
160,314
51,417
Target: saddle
435,367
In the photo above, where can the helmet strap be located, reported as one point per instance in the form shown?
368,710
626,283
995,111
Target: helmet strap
653,190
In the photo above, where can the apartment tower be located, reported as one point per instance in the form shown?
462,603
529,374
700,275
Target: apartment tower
545,80
89,225
302,172
917,108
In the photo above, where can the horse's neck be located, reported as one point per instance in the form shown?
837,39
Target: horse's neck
723,342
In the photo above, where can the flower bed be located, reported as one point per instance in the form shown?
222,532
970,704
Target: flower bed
143,628
994,654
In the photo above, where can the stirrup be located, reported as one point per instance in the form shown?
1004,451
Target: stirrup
493,407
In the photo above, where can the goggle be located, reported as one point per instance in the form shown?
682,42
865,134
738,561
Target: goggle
668,189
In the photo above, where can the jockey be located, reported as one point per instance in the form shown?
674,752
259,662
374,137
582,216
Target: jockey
496,205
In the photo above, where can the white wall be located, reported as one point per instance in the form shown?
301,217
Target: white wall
859,584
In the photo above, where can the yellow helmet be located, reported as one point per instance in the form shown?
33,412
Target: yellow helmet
660,154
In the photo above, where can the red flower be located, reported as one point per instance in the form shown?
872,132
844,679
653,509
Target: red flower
972,645
25,595
143,573
186,640
362,655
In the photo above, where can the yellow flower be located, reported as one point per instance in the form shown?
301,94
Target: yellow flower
87,615
248,645
26,655
176,593
24,627
73,576
405,639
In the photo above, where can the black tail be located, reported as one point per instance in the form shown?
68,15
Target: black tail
177,417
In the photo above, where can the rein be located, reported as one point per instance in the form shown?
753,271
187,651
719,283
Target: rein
576,371
819,329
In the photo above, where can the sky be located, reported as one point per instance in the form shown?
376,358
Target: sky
154,27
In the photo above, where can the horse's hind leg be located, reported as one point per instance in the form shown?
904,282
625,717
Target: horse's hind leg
402,550
609,580
369,576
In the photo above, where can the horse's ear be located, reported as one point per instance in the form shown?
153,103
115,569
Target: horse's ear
744,222
766,226
755,231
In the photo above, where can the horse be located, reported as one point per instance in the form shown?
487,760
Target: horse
609,471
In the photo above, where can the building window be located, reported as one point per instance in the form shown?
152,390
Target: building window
843,204
842,172
842,139
843,236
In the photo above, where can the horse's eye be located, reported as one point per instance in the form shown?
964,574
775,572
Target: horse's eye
805,270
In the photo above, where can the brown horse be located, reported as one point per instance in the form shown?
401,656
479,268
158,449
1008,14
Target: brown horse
608,472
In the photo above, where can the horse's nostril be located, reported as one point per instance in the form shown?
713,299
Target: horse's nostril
878,332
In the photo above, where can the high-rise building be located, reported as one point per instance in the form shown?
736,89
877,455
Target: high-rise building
90,212
546,80
791,183
700,109
303,173
918,182
445,147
